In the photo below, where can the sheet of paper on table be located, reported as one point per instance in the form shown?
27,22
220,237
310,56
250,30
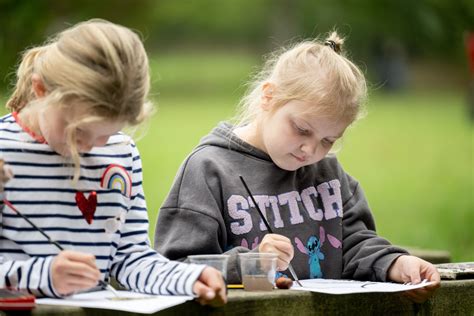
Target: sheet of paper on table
329,286
129,301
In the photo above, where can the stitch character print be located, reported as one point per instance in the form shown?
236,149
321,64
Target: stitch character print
313,250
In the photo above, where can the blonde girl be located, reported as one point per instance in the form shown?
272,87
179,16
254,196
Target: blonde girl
300,104
78,177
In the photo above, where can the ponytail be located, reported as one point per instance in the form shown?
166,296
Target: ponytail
23,92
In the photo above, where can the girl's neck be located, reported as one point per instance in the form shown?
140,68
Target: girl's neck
250,134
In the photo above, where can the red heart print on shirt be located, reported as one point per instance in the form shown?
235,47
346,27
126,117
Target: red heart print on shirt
87,205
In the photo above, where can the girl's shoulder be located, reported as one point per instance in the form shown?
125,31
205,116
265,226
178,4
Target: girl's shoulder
7,118
330,163
120,138
328,168
119,145
9,125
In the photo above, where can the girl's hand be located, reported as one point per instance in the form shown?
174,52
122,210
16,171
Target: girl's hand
73,271
210,288
413,269
280,245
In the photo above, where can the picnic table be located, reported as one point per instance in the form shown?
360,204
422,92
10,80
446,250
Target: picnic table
454,297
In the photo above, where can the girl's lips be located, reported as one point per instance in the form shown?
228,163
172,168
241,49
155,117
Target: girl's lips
299,158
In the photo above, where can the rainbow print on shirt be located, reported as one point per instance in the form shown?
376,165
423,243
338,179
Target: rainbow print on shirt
116,177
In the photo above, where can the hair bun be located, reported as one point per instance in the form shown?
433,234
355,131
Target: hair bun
335,42
333,45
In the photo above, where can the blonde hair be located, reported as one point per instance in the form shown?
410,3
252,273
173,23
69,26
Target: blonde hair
97,65
312,71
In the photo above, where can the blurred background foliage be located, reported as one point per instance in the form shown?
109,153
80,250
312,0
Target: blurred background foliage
414,152
424,28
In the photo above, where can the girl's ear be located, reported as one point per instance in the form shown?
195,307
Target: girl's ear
38,86
268,89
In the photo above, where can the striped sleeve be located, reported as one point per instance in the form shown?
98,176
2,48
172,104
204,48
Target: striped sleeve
32,275
136,265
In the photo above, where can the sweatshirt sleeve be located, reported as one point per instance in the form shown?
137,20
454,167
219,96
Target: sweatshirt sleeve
32,275
183,232
136,265
190,220
366,256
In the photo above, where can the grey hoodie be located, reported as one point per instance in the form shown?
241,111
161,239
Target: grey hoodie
320,208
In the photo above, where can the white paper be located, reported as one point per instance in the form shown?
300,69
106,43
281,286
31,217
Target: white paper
329,286
138,303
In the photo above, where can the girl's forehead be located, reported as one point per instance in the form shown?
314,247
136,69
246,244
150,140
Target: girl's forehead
306,110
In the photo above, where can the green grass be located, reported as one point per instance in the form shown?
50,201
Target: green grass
414,157
413,153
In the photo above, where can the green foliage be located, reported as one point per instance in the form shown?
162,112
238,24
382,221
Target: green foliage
423,28
28,23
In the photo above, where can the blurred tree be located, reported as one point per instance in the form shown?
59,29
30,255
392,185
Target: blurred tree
27,23
430,28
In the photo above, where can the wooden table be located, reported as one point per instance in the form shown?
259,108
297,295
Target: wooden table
453,298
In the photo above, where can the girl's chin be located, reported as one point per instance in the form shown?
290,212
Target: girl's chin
287,166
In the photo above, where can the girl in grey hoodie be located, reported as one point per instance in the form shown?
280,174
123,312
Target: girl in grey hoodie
297,108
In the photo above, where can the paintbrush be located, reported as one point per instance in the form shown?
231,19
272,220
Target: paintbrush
290,267
53,242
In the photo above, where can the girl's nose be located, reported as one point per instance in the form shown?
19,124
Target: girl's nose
309,149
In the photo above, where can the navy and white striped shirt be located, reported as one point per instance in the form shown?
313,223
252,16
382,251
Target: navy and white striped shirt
117,234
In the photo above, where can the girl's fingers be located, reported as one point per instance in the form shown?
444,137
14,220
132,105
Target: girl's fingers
75,282
73,271
282,265
210,287
203,292
87,259
79,269
213,279
286,250
280,245
279,238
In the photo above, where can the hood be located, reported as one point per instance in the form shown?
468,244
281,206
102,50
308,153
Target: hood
223,136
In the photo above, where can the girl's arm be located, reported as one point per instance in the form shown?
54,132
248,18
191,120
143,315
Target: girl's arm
136,265
190,221
182,232
32,275
366,255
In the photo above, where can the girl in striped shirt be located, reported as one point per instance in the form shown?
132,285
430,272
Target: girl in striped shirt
78,178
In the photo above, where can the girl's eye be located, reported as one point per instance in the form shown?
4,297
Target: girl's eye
300,130
327,143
